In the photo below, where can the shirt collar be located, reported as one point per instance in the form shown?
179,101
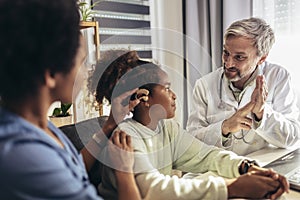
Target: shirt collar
238,94
249,82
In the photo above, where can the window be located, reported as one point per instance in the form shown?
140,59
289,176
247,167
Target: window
284,17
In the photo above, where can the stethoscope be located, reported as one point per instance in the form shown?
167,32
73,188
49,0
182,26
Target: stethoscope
222,106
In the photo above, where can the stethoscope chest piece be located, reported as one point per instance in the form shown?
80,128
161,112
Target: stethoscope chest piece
222,105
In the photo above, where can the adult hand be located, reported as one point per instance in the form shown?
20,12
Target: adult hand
121,152
122,105
283,182
284,187
259,97
254,184
238,121
122,161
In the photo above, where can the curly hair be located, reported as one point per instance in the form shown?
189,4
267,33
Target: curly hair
112,65
38,36
145,76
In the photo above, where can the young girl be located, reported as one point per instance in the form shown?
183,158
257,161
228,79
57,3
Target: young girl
160,145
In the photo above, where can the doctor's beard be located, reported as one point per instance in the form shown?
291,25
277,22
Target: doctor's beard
238,75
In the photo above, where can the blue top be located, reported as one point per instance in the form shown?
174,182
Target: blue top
33,166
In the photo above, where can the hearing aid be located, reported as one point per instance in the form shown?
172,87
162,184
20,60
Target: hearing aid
141,94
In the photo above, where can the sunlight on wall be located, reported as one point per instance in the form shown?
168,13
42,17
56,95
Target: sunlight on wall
286,52
283,16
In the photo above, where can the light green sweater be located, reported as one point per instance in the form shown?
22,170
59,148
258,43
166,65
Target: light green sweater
170,147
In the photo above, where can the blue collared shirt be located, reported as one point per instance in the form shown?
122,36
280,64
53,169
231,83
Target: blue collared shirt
33,166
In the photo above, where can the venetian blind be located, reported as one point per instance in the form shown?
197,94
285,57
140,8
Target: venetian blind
124,24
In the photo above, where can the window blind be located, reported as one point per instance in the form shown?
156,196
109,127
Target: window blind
124,24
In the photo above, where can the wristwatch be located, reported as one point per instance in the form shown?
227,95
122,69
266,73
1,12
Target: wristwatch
245,165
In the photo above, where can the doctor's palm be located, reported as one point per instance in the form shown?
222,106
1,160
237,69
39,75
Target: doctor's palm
259,97
238,121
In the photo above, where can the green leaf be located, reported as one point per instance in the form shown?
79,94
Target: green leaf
56,112
86,11
63,111
81,4
65,107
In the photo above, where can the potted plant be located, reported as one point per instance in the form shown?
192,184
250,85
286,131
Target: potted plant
88,21
61,115
86,11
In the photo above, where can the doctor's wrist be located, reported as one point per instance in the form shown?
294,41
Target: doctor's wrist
225,130
258,117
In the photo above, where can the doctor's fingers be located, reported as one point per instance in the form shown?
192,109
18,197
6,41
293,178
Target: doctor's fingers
245,127
260,101
261,85
263,90
260,81
246,120
236,123
244,111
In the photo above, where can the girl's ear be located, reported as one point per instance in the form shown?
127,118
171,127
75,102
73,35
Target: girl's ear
50,80
141,94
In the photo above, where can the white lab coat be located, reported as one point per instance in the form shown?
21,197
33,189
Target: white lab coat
279,125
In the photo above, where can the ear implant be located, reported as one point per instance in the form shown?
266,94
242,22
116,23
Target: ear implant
142,94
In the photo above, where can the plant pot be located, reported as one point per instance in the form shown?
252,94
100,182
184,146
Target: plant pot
61,121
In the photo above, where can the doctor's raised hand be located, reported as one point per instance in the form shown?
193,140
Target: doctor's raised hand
259,97
241,120
238,121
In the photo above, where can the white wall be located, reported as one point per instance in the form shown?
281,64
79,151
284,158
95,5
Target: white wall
285,52
167,43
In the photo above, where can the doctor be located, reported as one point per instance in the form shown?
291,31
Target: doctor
248,103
